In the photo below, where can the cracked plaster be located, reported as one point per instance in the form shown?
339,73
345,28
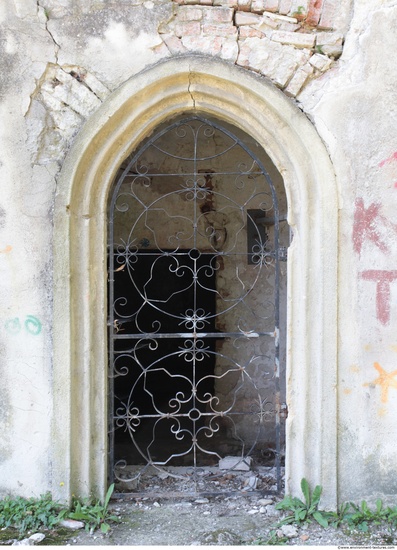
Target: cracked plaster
96,46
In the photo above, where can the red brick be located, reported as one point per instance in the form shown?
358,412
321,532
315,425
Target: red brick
314,12
330,11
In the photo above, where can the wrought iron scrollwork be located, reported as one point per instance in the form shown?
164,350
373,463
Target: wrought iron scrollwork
192,347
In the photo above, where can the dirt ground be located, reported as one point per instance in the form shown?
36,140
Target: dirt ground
240,516
219,521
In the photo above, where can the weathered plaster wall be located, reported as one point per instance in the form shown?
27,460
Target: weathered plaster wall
359,125
59,62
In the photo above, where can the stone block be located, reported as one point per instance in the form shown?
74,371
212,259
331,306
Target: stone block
226,3
299,80
285,7
320,62
271,5
268,23
187,29
290,27
282,18
229,51
173,43
272,59
249,32
203,44
244,5
330,43
69,91
235,463
245,18
219,30
258,6
189,13
218,15
299,40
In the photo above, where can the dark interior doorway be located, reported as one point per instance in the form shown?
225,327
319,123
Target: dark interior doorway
158,379
196,331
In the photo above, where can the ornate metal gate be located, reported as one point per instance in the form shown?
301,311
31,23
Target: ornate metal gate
194,269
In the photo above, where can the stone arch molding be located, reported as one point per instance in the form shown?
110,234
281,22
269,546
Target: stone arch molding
80,357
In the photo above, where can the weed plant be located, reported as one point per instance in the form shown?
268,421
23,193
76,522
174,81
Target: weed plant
94,514
29,514
355,516
32,514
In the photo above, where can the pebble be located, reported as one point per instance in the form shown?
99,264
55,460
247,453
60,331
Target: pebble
37,537
252,512
207,513
156,504
265,501
201,501
271,510
289,531
71,524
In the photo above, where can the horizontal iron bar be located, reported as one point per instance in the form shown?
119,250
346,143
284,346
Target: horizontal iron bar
155,336
180,494
214,414
269,221
193,174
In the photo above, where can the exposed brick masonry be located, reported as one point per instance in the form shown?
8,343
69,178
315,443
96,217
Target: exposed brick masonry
289,41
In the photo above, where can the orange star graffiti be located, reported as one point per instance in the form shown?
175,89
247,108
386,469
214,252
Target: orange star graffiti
385,380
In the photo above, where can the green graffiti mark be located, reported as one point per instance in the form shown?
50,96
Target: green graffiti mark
32,325
13,326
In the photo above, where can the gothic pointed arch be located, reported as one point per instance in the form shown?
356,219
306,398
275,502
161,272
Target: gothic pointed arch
249,102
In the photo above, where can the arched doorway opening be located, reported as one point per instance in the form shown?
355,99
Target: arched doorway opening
209,87
197,247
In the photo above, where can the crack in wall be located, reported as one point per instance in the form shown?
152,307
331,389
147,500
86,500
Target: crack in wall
57,47
189,89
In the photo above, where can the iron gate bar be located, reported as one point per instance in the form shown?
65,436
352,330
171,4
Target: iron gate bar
157,335
198,191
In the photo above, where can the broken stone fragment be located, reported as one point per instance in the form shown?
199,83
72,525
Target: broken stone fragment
320,62
251,482
289,531
265,501
299,40
246,18
235,463
33,539
330,43
71,524
37,537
